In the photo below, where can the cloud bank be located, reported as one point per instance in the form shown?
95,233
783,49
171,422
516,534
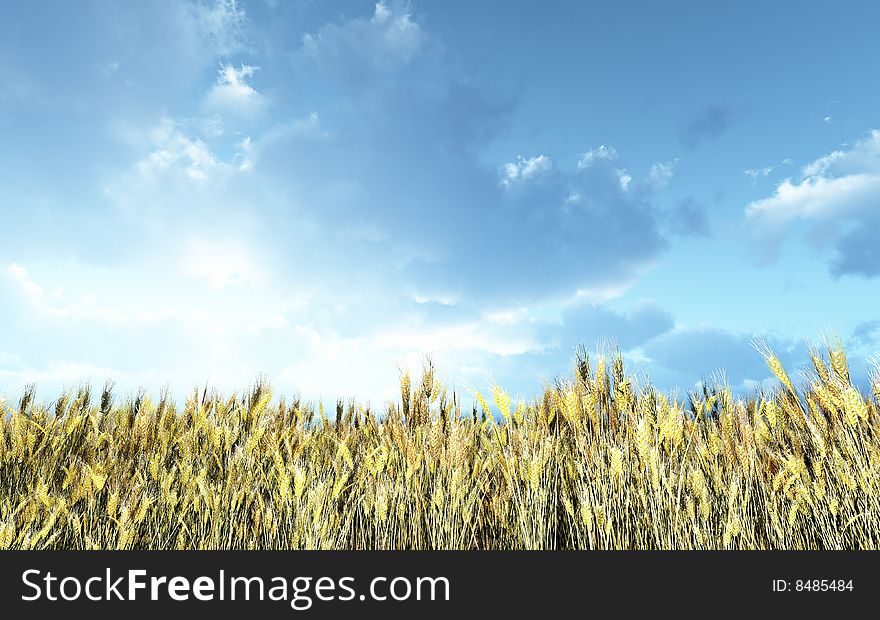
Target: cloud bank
836,198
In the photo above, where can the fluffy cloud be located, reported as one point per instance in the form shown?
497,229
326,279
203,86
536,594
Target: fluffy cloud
129,49
603,156
837,195
229,334
360,49
232,93
602,153
758,173
171,319
376,234
559,232
661,173
523,169
398,175
221,265
173,152
57,305
180,180
221,24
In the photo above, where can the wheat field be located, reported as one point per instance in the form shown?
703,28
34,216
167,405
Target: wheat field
597,462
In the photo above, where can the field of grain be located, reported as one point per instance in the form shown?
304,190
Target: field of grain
598,462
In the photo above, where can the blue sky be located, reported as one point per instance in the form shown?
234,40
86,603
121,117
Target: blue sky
324,192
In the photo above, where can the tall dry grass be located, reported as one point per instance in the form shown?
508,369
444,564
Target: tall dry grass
596,463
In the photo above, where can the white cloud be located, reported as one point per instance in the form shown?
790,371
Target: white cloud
244,158
84,305
64,373
382,13
603,152
220,263
816,198
661,173
175,152
188,283
841,183
31,289
360,47
222,23
465,336
510,316
758,173
232,93
523,169
212,126
192,328
344,368
602,294
863,156
176,172
309,126
839,192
